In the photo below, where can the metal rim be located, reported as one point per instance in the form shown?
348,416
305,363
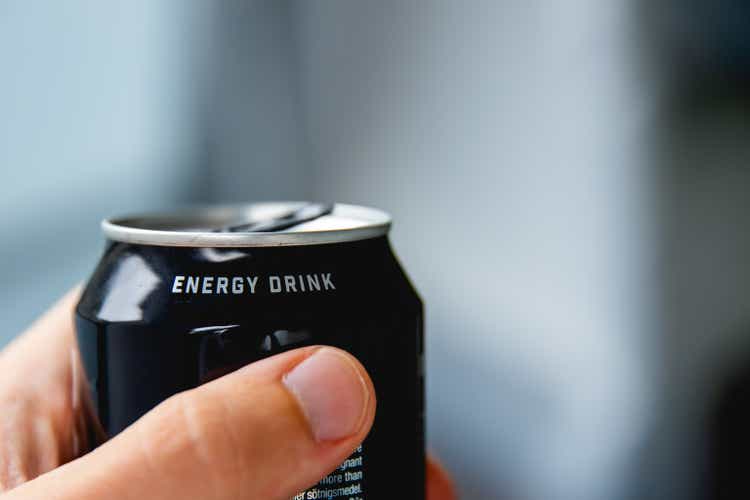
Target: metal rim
154,229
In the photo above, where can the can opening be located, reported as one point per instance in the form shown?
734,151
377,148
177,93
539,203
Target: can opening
251,225
305,213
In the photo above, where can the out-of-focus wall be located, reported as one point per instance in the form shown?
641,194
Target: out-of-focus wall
132,106
254,144
507,139
97,117
705,285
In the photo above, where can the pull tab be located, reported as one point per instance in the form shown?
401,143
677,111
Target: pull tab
305,213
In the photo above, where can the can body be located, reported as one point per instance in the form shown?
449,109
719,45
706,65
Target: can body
156,320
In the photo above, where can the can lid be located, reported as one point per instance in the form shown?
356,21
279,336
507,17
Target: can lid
251,225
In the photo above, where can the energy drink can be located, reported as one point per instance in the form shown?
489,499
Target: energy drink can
180,299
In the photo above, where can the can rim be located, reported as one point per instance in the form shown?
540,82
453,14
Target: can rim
154,228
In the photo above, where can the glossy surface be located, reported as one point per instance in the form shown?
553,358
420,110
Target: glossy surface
145,335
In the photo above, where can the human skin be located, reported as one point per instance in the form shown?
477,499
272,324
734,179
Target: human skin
264,432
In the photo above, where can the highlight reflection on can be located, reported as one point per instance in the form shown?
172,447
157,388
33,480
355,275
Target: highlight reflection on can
180,299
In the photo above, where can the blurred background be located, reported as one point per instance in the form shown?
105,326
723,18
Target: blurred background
568,180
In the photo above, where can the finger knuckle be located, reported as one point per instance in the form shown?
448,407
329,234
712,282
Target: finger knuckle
202,438
202,424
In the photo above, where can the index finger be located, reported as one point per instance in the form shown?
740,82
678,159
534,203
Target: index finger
43,423
49,338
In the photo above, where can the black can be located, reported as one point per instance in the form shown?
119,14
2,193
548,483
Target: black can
180,299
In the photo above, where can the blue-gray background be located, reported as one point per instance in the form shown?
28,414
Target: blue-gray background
567,181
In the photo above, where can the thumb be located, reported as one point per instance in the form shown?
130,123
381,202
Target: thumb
266,431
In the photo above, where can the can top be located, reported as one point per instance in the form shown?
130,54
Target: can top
262,224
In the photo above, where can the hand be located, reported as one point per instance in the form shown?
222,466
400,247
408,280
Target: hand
233,438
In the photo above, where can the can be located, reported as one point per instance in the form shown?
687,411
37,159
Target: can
179,299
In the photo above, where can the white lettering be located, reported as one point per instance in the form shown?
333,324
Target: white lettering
252,283
237,285
274,284
192,284
208,283
313,282
289,283
327,283
177,285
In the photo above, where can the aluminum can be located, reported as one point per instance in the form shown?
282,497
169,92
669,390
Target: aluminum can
179,299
